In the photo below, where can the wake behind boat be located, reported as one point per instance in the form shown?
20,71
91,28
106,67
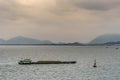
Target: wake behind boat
29,61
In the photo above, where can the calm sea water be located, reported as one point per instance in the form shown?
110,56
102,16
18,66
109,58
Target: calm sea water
108,63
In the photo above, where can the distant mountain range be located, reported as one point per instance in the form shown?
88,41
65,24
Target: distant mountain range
24,40
109,39
106,39
20,40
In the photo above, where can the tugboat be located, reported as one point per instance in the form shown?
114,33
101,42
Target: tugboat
29,61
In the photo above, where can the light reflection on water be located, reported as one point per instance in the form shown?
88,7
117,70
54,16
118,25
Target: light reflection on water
108,62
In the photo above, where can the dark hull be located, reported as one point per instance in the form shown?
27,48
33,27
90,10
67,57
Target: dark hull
50,62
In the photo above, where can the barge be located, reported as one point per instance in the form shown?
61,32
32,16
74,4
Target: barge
29,61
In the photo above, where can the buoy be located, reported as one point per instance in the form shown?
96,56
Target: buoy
117,48
94,65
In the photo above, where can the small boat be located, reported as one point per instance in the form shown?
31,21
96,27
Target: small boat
29,61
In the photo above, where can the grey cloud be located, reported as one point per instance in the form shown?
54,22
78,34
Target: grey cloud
8,11
69,6
100,6
64,7
93,6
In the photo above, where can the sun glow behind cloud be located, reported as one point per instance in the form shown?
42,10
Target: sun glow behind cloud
27,2
34,2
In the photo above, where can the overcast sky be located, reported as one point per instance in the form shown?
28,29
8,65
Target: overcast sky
59,20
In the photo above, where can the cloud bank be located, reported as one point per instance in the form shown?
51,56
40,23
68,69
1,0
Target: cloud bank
59,20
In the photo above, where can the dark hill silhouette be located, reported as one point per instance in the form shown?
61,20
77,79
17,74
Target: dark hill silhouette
106,38
24,40
20,40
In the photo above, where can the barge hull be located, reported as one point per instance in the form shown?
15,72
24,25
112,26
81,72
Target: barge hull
64,62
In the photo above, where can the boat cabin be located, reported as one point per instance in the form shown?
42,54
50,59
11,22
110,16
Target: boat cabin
25,61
